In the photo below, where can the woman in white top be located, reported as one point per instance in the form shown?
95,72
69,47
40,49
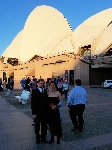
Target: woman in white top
65,88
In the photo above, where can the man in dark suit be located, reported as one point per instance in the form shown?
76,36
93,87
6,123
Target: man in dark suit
39,111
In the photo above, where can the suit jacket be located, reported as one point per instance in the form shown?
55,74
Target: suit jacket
39,103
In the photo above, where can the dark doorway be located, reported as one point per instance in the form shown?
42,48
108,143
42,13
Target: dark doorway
71,77
98,75
66,75
4,76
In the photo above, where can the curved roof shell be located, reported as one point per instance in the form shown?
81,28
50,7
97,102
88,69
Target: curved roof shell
65,45
47,32
105,41
44,29
91,28
13,50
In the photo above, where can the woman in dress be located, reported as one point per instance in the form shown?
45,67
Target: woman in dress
54,98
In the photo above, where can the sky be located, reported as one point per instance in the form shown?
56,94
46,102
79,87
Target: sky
14,13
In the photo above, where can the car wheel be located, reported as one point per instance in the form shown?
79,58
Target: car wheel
111,86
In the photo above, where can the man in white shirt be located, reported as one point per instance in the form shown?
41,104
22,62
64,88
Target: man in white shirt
76,102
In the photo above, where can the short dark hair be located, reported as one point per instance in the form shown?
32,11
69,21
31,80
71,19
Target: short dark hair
53,83
40,80
34,79
78,82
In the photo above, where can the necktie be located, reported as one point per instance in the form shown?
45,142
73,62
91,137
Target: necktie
42,90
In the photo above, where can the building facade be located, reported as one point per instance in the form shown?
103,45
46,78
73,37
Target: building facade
48,47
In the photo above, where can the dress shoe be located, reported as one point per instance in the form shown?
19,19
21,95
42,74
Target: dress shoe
33,124
79,129
51,141
58,140
74,129
38,141
44,141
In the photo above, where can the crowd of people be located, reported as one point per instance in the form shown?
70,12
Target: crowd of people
46,103
61,84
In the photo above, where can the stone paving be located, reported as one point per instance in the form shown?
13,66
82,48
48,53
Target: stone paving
16,131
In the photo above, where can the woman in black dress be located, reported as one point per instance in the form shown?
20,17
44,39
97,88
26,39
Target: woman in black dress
54,97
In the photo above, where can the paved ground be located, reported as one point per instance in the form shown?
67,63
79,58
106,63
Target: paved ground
17,132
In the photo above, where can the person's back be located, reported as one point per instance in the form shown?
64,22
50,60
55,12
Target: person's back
27,86
79,95
9,80
22,81
33,85
11,83
76,102
10,88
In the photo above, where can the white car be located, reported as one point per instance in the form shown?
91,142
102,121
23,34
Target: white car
107,84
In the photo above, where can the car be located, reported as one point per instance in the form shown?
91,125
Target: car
107,84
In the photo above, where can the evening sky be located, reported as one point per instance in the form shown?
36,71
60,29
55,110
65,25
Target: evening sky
13,14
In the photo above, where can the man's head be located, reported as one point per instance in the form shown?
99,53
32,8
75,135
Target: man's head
41,83
78,82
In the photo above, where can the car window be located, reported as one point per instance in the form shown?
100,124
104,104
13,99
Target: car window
109,81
